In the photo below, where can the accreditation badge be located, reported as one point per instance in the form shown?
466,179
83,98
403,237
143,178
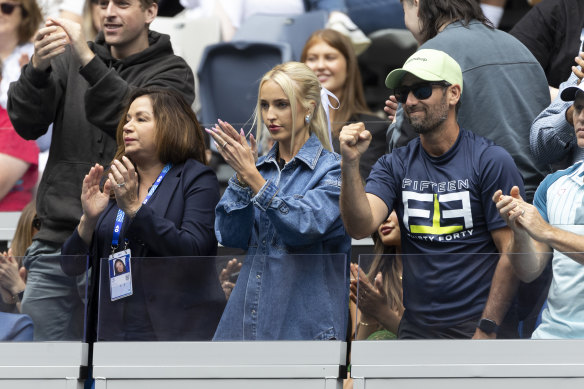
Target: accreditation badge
120,274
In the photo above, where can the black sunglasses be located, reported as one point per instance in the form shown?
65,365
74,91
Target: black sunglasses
8,8
421,91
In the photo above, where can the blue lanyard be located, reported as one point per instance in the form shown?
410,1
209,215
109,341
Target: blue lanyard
121,214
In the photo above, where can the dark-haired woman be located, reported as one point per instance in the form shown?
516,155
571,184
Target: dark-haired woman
378,292
158,201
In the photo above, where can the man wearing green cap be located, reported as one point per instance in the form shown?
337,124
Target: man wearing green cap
440,185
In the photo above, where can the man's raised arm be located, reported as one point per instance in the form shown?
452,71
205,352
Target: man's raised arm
362,213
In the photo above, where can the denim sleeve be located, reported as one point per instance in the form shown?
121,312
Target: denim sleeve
234,216
304,220
399,132
551,137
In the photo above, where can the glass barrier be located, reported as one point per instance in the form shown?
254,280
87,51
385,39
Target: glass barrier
291,297
43,298
444,296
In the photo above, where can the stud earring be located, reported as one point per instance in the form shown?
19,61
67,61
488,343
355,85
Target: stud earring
307,119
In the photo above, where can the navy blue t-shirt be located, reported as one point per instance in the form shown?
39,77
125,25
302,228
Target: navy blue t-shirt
446,214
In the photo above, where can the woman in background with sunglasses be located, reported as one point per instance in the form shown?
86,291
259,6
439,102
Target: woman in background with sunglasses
19,20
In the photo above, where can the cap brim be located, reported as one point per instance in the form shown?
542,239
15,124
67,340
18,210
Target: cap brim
569,94
393,79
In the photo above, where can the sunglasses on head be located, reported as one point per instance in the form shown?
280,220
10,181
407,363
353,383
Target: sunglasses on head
421,91
8,8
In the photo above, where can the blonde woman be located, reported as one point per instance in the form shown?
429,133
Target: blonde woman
285,203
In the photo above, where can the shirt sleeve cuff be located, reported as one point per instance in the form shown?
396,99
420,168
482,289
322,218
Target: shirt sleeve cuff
38,78
94,71
239,196
564,131
266,195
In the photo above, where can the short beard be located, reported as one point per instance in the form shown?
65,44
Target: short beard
435,117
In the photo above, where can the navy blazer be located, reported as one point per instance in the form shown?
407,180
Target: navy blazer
182,299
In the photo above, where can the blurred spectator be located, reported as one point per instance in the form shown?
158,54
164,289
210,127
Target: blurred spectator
459,283
68,9
169,8
158,201
330,55
552,31
18,24
12,273
459,28
493,10
285,203
81,86
15,328
91,18
28,226
199,8
233,14
378,294
374,15
552,139
553,228
18,165
228,276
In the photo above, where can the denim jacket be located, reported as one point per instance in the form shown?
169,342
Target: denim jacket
277,295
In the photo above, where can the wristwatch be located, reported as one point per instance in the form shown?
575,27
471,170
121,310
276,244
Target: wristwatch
488,326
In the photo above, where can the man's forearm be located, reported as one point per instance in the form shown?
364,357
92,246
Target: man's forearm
566,242
527,257
503,288
355,208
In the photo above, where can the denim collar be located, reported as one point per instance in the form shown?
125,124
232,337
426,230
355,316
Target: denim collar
308,153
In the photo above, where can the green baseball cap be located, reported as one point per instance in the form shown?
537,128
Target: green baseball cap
428,65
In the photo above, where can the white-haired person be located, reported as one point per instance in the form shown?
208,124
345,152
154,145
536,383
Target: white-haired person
283,204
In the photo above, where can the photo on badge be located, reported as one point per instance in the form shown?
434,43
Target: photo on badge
120,275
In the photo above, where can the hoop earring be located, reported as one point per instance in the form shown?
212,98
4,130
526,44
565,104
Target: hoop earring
307,119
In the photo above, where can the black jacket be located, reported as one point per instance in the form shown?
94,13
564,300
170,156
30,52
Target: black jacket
175,282
84,105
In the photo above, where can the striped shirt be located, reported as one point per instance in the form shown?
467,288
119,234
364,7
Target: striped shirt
559,199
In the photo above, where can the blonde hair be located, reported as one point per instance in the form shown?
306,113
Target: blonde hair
24,232
300,85
87,20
